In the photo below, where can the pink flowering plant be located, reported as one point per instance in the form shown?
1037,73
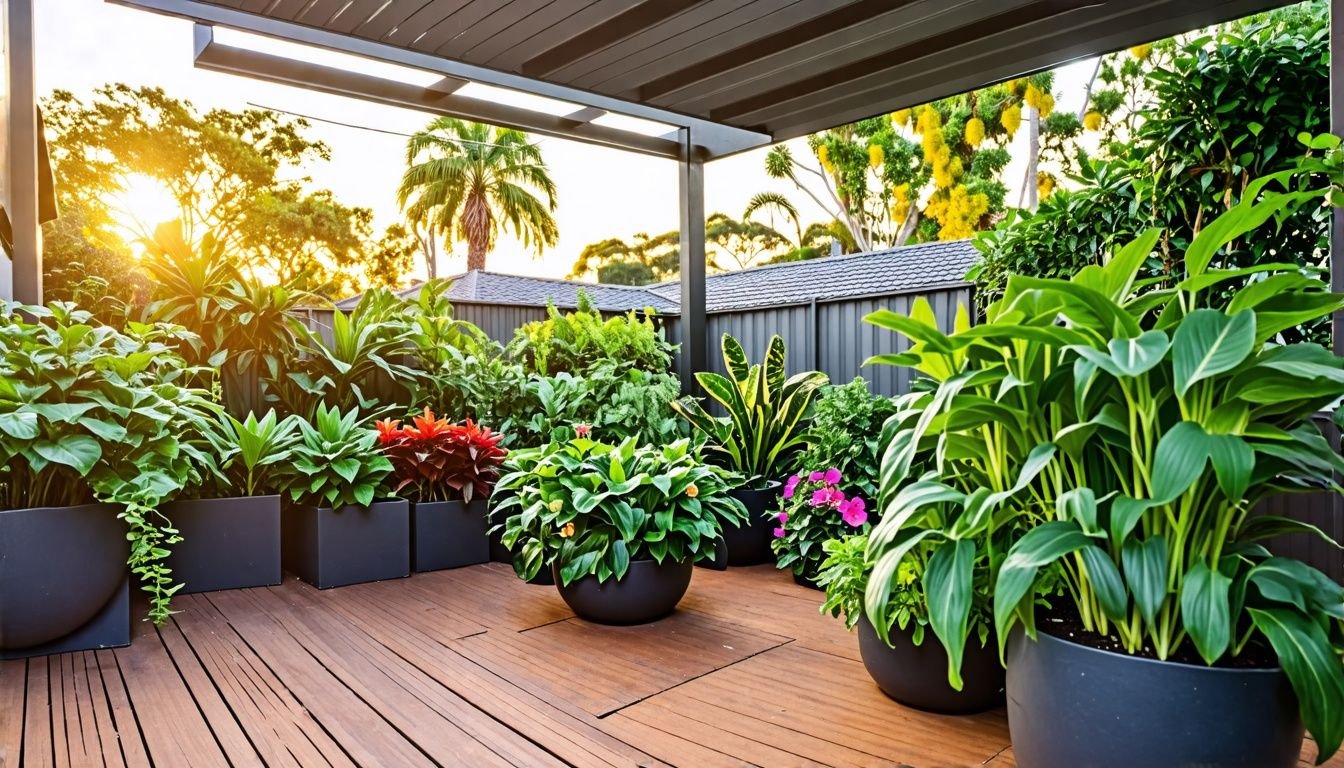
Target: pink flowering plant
813,509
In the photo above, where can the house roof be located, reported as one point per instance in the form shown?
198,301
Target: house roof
894,270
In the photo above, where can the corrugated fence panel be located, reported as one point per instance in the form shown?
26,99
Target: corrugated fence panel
754,329
498,320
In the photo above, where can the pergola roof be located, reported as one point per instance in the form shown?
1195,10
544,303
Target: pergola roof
736,73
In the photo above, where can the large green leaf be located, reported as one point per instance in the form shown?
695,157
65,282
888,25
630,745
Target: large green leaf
1208,343
1145,564
79,452
1313,667
1106,582
948,588
20,425
1179,460
1233,462
1206,610
1040,546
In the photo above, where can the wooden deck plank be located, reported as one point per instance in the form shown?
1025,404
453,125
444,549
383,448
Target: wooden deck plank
13,685
237,747
108,741
83,748
38,744
283,732
127,727
174,729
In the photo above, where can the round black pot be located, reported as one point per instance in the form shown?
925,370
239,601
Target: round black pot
1072,705
916,675
60,567
806,579
649,591
750,544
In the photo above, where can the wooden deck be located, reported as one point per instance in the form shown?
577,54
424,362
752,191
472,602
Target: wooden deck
472,667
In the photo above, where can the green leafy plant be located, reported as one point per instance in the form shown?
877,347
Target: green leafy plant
1115,440
844,575
337,462
245,455
591,508
571,342
813,509
767,413
88,412
485,386
846,426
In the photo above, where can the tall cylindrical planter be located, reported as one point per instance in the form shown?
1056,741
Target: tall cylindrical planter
448,534
1071,705
228,543
64,584
916,675
334,547
649,591
750,543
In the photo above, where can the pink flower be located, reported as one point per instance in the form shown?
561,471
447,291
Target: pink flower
583,430
791,486
783,517
853,512
821,497
837,496
779,533
816,477
832,476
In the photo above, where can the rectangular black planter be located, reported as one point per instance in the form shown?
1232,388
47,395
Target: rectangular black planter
448,534
335,547
226,543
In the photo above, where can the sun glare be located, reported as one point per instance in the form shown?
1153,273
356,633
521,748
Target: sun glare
142,204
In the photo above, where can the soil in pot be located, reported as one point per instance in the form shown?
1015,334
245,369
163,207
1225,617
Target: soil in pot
750,543
228,543
916,675
64,585
649,591
1121,710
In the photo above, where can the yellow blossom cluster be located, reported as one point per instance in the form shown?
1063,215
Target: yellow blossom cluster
824,155
875,156
1045,184
1141,52
975,131
900,117
900,202
957,212
1092,120
937,154
1011,119
1043,102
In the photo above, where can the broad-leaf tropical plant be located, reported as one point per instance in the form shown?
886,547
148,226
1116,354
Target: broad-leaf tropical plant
766,423
435,460
337,462
248,452
1116,436
591,508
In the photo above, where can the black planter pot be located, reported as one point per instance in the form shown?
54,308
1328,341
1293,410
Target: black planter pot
226,543
806,579
649,591
448,534
750,544
916,675
335,547
64,585
1072,705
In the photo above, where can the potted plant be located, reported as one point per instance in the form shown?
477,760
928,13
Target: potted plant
1144,426
89,421
812,511
619,525
230,521
845,434
908,665
765,427
337,531
447,472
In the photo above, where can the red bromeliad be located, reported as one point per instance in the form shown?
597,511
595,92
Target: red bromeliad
440,460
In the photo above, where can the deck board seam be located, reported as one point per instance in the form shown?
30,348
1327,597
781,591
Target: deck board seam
675,686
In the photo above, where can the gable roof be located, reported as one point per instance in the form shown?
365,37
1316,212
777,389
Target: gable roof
894,270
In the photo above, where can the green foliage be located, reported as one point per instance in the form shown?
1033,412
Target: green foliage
484,386
572,342
844,575
767,416
614,402
336,462
590,508
244,455
1203,116
814,509
87,412
1117,439
846,427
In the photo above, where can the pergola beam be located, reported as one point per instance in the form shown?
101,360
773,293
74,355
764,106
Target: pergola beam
22,153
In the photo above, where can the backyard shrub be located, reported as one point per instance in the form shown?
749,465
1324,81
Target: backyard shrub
1115,440
483,385
439,461
572,342
337,463
246,456
814,509
590,508
766,425
88,412
846,426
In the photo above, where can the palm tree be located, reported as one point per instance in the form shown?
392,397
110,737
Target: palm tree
465,180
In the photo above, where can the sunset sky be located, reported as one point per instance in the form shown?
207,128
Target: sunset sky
83,44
